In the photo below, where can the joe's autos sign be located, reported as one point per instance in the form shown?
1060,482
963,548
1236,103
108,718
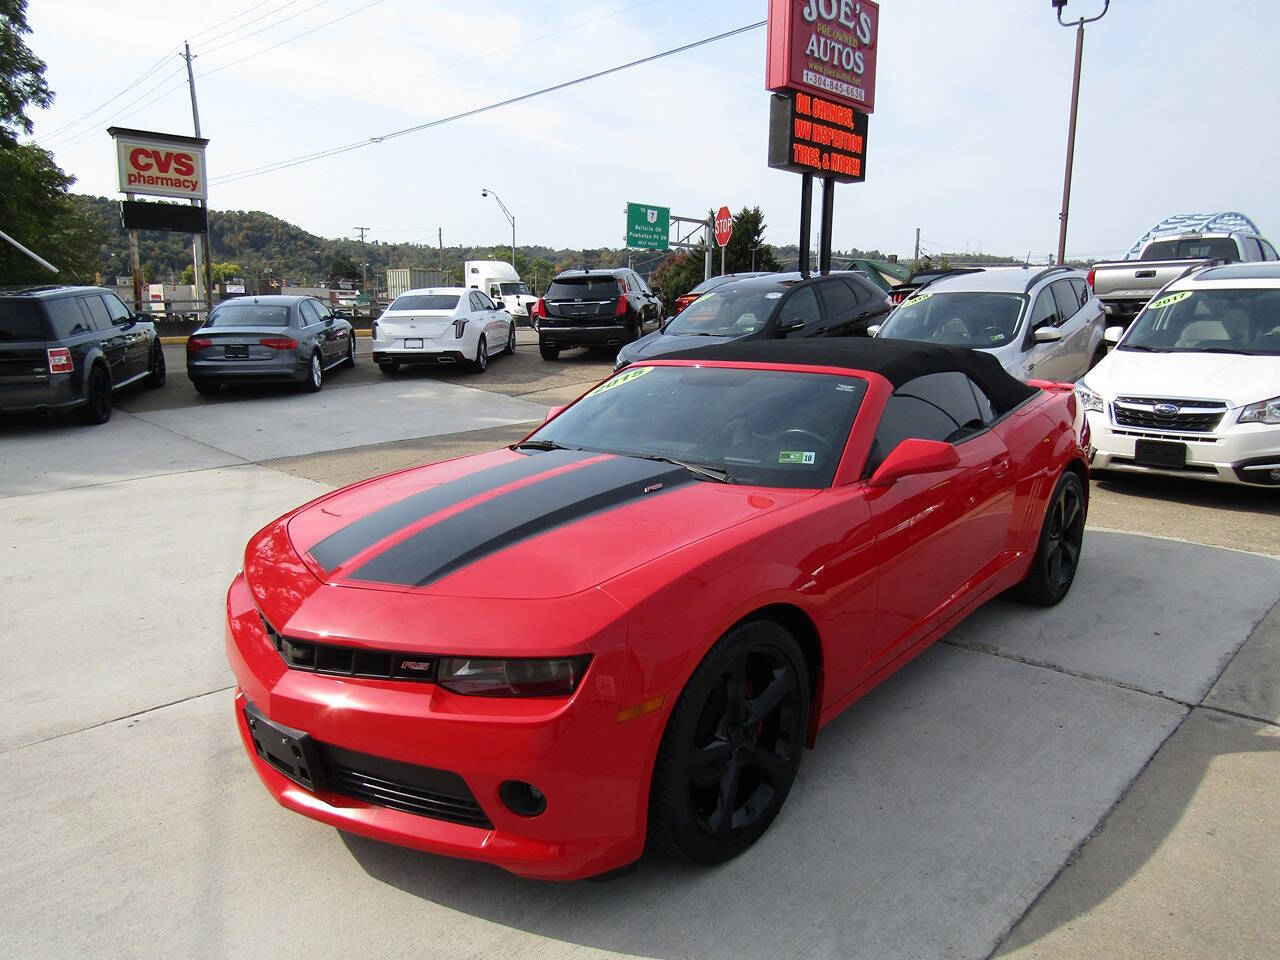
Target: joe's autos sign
160,164
824,48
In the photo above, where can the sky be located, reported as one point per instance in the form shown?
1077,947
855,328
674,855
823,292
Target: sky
967,141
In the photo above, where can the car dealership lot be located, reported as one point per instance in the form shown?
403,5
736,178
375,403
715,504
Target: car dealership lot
928,820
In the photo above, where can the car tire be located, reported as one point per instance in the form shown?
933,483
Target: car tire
549,351
511,341
389,367
481,363
97,406
350,362
156,372
724,771
207,388
315,374
1057,557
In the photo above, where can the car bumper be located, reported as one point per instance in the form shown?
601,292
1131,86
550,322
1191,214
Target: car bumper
604,335
287,370
431,352
1241,454
56,394
592,770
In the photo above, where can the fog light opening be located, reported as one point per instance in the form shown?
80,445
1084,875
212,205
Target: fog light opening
522,798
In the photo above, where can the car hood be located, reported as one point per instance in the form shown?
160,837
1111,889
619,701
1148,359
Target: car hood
1236,378
659,344
516,525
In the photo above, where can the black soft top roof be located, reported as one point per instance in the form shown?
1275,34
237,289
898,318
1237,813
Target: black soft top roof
898,361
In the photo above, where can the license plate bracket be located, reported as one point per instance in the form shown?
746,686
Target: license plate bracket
236,351
291,752
1159,453
413,343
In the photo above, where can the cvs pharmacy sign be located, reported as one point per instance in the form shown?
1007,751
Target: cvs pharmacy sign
160,164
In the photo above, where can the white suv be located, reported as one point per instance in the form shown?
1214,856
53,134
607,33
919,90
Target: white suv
1041,324
1193,388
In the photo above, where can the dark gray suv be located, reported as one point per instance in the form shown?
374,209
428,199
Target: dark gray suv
70,348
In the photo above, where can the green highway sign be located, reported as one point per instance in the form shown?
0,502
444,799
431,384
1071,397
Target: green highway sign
648,226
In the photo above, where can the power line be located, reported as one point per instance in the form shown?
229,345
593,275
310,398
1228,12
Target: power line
261,16
80,136
269,26
296,36
334,151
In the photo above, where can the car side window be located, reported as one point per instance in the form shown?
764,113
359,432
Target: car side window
986,409
1268,251
1044,311
1081,290
802,306
473,302
1065,297
486,303
117,310
97,311
322,310
66,317
1252,249
838,300
938,406
495,290
309,314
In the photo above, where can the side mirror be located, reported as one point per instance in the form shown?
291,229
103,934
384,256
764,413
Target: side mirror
788,326
912,457
873,329
1047,334
553,413
1112,335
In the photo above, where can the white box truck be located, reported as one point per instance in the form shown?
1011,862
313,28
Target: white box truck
499,280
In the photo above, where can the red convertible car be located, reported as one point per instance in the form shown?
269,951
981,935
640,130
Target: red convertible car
627,627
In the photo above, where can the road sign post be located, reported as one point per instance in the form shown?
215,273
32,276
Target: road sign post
724,230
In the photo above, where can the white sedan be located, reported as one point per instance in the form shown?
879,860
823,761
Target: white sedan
1193,388
442,325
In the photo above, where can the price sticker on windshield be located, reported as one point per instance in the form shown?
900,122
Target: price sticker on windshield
796,456
627,376
1170,299
918,298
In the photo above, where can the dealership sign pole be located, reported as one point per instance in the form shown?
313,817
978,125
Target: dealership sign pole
822,68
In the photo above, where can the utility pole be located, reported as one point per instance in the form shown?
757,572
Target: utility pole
364,257
363,231
711,232
440,236
917,256
1071,127
199,241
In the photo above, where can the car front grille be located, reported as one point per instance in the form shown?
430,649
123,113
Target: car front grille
425,791
1196,416
341,661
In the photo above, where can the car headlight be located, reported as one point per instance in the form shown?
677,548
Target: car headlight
1088,399
1264,411
512,678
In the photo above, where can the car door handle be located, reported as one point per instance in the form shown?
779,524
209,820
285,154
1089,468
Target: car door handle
1000,466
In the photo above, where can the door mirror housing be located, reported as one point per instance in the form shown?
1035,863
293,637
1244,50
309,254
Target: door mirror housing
912,457
1047,334
553,413
873,329
1112,335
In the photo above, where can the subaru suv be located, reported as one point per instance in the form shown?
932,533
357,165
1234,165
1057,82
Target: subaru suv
71,348
1040,324
594,308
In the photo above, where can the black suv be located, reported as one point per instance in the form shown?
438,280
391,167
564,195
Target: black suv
594,308
64,348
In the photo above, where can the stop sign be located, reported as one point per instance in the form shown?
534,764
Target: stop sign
724,226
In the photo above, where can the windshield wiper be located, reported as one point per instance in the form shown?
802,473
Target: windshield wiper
1221,350
541,445
1145,349
711,473
696,333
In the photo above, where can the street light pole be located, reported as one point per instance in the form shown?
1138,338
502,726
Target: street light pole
486,192
1071,128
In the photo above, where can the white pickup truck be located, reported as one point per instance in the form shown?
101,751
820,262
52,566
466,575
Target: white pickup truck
1167,251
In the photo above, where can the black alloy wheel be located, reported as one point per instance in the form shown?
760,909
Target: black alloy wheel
97,408
511,340
156,373
315,374
350,362
1053,568
732,745
481,363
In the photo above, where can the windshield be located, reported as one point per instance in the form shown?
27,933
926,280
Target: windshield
514,289
21,320
725,312
1216,248
711,284
771,428
979,320
1216,321
603,287
425,301
250,315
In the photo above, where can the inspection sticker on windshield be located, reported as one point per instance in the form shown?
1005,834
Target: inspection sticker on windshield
1171,298
796,456
845,388
635,373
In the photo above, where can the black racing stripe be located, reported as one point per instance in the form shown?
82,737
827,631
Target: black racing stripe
341,545
525,512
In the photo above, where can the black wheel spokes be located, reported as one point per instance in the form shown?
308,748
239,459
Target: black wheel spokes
1066,532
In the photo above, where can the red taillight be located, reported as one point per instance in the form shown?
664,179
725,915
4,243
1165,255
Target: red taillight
539,308
60,360
196,344
899,296
622,307
279,343
1089,278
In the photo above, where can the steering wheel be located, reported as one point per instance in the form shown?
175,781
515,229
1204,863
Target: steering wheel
807,435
